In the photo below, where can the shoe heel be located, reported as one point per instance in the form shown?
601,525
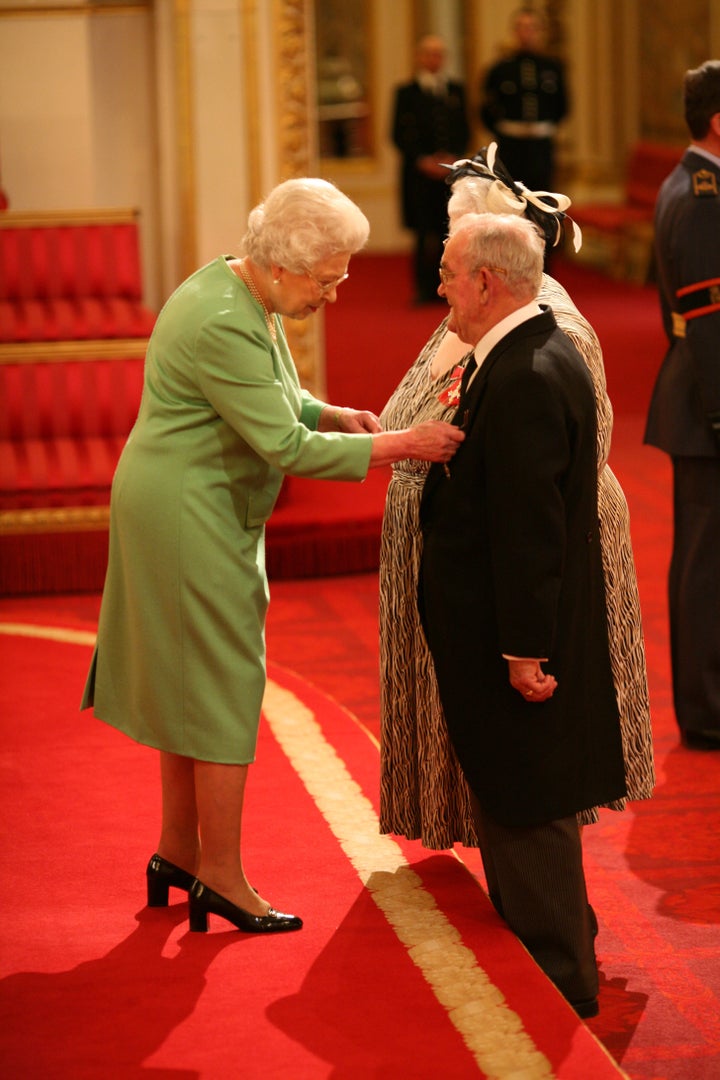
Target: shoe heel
158,892
198,919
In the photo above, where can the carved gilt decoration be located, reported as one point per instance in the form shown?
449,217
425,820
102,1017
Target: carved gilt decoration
297,152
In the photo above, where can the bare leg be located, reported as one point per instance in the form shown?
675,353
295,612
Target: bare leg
220,791
179,842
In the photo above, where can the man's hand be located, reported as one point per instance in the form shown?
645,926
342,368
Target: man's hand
529,679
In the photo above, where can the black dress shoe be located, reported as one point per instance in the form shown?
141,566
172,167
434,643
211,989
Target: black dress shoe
160,875
586,1009
701,740
203,901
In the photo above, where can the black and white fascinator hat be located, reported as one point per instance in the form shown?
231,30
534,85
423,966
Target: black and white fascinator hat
546,209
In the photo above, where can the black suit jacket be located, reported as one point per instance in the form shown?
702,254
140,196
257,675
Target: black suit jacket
512,564
423,124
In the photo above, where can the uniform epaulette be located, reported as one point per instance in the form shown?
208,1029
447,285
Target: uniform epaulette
703,298
704,183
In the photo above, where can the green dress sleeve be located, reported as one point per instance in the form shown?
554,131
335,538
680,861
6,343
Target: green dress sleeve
252,383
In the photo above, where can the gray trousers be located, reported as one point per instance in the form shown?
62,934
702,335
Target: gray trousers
536,882
694,594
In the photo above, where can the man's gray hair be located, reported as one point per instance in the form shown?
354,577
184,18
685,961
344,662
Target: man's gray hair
505,242
302,222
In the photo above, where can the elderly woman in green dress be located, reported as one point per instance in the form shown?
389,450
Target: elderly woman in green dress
180,658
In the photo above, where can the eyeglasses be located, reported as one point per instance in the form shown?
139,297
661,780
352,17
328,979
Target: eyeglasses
448,275
326,286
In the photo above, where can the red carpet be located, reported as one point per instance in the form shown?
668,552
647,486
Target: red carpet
654,872
402,969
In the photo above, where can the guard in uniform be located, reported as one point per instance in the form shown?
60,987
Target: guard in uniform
523,100
684,416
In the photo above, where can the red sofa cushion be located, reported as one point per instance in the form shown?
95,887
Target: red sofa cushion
62,428
41,473
71,276
44,262
71,398
79,319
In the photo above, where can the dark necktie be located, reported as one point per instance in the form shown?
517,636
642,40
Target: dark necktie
470,369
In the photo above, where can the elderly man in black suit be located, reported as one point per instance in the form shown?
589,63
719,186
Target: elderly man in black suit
512,597
430,126
684,416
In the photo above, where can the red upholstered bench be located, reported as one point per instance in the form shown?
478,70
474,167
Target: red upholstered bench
622,226
65,413
73,334
66,410
71,275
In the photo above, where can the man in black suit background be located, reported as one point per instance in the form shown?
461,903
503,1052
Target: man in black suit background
430,126
511,581
684,416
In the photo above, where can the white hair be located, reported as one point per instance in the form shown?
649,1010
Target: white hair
301,222
503,241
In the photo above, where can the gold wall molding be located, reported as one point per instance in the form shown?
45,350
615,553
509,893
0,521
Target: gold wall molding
86,350
249,15
296,112
184,135
54,520
27,219
297,152
45,10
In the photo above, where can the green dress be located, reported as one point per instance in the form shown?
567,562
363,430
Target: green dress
180,657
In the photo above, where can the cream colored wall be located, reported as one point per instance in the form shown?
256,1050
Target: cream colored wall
77,116
46,128
219,129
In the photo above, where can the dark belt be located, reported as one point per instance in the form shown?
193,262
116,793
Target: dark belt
703,298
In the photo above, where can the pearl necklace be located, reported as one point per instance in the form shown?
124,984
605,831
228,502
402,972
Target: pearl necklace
254,292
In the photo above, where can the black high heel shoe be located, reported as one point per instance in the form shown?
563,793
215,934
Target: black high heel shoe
160,875
203,901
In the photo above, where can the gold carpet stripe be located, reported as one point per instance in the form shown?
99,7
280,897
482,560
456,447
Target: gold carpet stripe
493,1033
49,633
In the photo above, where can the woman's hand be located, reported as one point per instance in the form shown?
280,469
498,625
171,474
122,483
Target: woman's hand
357,422
432,441
349,421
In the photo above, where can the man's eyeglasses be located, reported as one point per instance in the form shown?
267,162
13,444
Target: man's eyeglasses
326,286
448,275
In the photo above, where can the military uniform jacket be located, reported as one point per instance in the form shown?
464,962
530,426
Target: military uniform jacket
684,415
527,88
512,565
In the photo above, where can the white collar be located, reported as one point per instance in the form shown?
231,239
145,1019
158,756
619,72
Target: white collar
431,83
502,329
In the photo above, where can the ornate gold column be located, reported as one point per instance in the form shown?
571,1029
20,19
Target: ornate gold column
297,152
